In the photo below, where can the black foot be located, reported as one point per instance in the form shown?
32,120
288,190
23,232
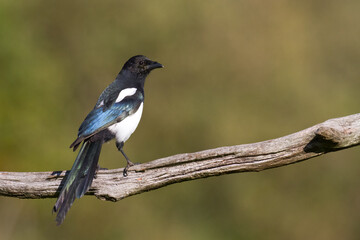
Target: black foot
128,162
128,165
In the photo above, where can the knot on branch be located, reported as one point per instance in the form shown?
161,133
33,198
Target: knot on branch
326,139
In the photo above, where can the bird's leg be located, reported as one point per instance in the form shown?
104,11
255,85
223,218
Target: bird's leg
128,162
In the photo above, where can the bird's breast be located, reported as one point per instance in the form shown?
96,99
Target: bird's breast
123,130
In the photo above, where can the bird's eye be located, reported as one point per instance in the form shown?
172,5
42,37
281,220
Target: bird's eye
141,62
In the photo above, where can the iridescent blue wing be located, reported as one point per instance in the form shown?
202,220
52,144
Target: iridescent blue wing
102,117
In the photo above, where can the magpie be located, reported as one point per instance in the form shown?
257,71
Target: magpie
116,115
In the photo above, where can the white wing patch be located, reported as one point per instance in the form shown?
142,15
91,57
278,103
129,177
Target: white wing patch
125,93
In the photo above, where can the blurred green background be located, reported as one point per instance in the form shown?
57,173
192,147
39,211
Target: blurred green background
235,72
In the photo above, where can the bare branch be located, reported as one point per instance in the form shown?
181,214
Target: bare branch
331,135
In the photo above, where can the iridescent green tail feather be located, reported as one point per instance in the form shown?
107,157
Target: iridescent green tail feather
79,180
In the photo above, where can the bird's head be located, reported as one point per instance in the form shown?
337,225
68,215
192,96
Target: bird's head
141,65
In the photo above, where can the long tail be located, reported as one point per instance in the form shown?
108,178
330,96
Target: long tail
79,179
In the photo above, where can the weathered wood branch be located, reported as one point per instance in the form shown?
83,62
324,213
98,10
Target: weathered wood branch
331,135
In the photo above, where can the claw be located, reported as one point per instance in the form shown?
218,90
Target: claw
128,165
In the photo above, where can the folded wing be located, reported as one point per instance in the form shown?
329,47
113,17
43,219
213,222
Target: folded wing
102,117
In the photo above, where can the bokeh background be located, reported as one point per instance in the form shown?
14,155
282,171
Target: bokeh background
236,72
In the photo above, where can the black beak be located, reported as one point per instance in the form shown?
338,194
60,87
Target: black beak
154,65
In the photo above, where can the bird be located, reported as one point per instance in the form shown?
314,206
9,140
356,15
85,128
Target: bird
116,114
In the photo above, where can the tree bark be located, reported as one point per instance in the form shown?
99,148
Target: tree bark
331,135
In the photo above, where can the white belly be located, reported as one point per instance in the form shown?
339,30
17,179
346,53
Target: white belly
126,127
